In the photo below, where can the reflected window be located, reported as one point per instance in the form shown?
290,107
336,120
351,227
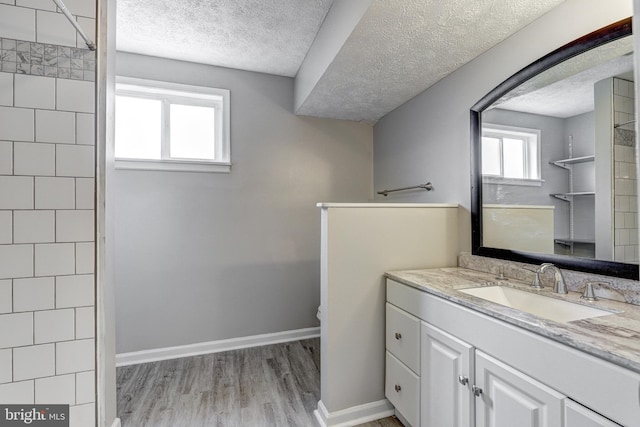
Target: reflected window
510,153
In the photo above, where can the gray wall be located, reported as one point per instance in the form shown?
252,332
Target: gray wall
203,257
428,137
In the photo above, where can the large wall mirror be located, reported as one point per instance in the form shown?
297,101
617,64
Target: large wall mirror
554,176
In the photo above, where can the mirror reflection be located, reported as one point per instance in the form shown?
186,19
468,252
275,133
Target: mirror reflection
558,160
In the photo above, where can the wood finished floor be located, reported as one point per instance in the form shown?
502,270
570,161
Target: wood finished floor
270,386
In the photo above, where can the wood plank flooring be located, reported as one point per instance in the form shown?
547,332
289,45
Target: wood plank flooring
270,386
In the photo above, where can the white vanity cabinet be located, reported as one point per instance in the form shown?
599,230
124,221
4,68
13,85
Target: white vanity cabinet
478,371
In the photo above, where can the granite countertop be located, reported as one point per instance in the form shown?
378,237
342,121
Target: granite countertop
615,337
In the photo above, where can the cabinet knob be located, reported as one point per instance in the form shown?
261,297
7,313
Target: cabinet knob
398,335
477,391
463,380
398,388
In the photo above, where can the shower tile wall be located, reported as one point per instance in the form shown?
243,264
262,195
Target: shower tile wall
625,175
47,348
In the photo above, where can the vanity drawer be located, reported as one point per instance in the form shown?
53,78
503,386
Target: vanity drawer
403,337
402,388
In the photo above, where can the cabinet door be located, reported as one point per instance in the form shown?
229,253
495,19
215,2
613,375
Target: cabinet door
510,398
577,415
447,375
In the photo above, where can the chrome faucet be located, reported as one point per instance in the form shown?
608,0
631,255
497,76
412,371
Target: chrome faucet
559,286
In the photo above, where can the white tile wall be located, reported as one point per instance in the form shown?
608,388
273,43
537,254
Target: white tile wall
74,356
35,91
17,23
46,246
6,227
17,192
6,366
55,126
54,325
6,297
88,25
74,291
33,226
16,393
54,28
34,159
17,261
6,157
85,385
54,193
74,226
21,119
6,89
33,294
34,361
55,259
56,390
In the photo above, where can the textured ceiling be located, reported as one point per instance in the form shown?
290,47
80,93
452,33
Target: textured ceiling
567,89
257,35
401,48
398,49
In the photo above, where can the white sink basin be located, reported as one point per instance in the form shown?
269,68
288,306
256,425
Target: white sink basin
538,305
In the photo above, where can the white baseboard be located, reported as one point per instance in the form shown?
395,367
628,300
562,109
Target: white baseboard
116,423
153,355
355,415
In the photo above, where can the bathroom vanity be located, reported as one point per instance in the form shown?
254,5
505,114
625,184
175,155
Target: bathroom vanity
455,359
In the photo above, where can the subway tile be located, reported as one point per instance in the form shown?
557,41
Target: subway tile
85,387
82,415
35,361
74,356
16,124
35,91
85,129
85,193
54,259
17,261
17,23
17,192
54,28
74,95
85,257
6,89
74,226
55,126
30,158
74,160
6,158
89,27
37,4
54,193
6,227
59,390
82,7
33,226
6,366
16,330
6,293
74,291
34,294
54,325
7,1
85,322
18,393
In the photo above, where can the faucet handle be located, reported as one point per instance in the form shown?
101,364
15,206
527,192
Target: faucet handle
589,294
536,283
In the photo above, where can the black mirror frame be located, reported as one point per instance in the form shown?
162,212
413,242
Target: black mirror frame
602,36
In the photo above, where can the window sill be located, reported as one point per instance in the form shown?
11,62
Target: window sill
492,180
173,165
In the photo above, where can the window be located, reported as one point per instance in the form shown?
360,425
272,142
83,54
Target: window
510,155
169,126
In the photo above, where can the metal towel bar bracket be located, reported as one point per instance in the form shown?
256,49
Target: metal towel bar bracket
428,186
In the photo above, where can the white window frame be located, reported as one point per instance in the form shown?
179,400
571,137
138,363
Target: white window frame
174,93
501,131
